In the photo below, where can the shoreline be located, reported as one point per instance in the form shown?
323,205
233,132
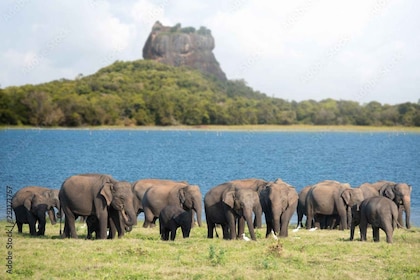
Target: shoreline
238,128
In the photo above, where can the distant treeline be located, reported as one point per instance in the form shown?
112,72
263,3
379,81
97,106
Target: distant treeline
149,93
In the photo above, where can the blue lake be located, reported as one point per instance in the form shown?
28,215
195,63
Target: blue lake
208,158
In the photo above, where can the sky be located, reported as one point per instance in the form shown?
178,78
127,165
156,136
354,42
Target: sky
363,51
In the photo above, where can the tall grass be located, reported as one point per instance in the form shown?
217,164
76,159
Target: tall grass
140,254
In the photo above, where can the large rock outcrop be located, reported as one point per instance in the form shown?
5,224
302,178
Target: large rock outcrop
188,47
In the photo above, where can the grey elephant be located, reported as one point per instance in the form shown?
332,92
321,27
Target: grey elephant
279,201
92,194
378,211
171,218
324,198
141,186
30,204
115,224
301,207
400,193
239,204
179,194
351,197
216,208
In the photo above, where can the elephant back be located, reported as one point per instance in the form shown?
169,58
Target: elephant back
24,193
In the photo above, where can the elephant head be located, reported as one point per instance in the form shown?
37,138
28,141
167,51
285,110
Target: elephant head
120,196
242,202
43,202
353,196
400,193
190,198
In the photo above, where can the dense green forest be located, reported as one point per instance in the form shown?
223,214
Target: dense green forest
145,92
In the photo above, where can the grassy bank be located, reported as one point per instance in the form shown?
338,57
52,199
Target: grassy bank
141,255
253,128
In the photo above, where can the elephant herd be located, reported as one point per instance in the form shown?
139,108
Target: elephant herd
111,207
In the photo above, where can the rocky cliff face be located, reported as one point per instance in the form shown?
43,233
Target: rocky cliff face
178,46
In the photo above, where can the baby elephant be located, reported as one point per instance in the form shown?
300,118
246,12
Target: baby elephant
171,218
381,213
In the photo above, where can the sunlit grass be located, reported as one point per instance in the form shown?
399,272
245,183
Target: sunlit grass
140,254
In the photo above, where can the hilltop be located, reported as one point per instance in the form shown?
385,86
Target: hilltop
180,82
186,46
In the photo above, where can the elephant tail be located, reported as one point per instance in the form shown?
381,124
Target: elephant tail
217,235
61,217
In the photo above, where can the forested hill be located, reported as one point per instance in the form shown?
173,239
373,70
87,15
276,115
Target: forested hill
146,92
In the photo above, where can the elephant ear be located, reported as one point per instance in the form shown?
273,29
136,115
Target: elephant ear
28,203
107,191
388,192
229,198
292,197
346,196
181,195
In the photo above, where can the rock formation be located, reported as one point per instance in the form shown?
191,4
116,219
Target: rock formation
178,46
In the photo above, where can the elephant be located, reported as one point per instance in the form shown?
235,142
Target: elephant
171,218
380,212
239,204
215,208
279,201
139,189
351,197
115,224
301,207
30,204
400,193
92,194
180,194
324,198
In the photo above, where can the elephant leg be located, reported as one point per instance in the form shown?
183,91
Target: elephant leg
231,224
103,225
41,226
309,217
69,224
32,225
226,234
173,233
148,218
210,229
153,224
284,225
269,228
343,219
165,235
375,231
363,229
353,226
20,226
389,232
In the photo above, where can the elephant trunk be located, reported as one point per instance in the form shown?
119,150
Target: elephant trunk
51,215
406,203
129,216
198,210
248,218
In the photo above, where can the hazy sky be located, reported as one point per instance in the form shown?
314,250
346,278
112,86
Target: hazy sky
352,50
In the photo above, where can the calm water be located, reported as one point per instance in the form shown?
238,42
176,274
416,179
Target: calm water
47,157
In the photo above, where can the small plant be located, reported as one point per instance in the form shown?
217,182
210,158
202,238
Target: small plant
216,258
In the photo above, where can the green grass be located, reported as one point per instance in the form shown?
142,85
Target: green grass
140,254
